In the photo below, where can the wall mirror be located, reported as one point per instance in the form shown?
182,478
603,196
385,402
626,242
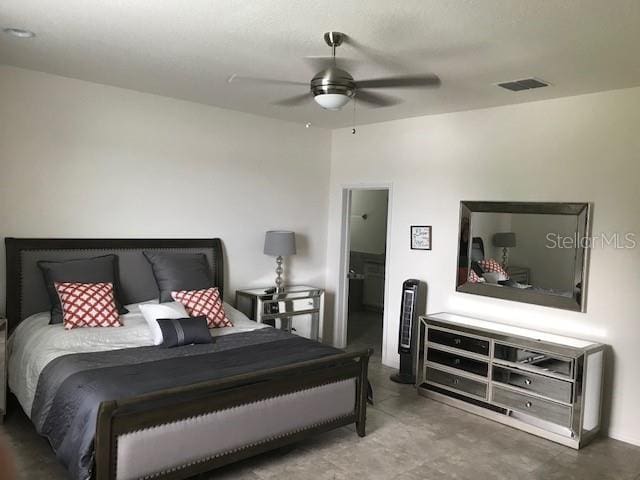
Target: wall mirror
526,252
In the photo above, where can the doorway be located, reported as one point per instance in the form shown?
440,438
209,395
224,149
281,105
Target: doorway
365,262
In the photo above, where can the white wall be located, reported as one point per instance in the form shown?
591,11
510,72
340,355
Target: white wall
369,235
549,267
84,160
582,148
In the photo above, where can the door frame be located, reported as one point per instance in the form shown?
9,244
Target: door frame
342,294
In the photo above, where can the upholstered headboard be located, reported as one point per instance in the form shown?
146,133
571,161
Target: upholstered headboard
26,293
477,249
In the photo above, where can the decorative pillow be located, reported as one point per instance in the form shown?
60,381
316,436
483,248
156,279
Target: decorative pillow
184,331
492,278
102,269
152,312
473,277
476,268
490,265
179,271
204,302
88,305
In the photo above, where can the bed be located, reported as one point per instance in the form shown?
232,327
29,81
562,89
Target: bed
113,406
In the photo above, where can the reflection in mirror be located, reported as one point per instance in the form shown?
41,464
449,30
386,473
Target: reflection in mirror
523,251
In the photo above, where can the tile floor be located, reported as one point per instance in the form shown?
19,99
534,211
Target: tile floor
409,438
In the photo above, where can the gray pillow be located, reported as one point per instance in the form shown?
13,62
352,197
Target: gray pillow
103,269
179,271
184,331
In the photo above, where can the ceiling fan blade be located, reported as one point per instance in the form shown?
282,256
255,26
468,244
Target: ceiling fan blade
405,81
293,101
263,81
322,63
376,99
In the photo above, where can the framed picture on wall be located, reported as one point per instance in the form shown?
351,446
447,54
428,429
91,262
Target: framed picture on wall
420,237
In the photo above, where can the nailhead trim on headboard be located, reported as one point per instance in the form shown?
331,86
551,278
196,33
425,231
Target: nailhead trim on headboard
15,247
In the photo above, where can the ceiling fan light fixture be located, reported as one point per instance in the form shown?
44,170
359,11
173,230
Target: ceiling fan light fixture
332,101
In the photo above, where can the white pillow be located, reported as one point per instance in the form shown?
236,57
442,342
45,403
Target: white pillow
153,312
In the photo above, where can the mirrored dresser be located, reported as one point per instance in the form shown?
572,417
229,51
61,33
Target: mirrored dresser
548,385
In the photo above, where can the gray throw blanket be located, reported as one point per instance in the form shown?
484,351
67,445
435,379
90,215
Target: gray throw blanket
71,388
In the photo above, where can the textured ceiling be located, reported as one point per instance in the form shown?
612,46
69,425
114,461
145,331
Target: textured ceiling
188,48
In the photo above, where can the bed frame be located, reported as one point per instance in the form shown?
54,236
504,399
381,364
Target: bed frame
151,412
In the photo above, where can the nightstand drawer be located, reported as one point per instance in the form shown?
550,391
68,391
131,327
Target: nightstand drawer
549,387
457,382
534,406
462,342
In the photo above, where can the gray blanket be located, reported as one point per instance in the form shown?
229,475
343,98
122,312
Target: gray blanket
71,388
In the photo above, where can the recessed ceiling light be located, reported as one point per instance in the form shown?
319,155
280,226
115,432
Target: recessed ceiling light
19,32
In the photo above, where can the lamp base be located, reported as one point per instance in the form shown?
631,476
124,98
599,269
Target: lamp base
504,257
279,271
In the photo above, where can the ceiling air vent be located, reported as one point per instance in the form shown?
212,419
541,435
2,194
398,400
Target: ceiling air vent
524,84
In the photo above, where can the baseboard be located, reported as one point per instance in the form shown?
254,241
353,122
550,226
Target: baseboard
624,438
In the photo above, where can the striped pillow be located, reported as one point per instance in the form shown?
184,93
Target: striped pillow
177,332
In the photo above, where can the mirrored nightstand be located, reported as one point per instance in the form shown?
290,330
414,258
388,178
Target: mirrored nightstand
519,274
297,309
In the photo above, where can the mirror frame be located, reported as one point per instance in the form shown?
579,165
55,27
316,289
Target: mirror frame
581,210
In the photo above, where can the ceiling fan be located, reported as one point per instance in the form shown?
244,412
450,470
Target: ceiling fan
333,87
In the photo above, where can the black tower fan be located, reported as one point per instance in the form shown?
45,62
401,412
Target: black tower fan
413,303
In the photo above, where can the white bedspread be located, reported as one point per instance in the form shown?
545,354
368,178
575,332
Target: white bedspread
35,343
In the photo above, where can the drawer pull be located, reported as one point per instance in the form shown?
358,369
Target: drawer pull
528,404
527,381
456,361
456,381
457,341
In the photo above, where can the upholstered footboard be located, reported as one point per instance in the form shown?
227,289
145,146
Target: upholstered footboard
184,431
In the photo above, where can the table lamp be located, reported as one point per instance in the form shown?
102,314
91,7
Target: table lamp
505,240
279,243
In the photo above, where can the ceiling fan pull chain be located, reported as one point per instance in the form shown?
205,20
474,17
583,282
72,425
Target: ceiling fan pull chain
353,129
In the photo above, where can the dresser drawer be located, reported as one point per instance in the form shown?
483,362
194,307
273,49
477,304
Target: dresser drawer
534,406
461,342
531,359
549,387
456,382
457,361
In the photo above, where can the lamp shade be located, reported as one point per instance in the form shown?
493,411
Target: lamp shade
504,239
280,243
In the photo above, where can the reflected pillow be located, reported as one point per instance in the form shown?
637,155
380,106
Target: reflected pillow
491,277
492,266
474,278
